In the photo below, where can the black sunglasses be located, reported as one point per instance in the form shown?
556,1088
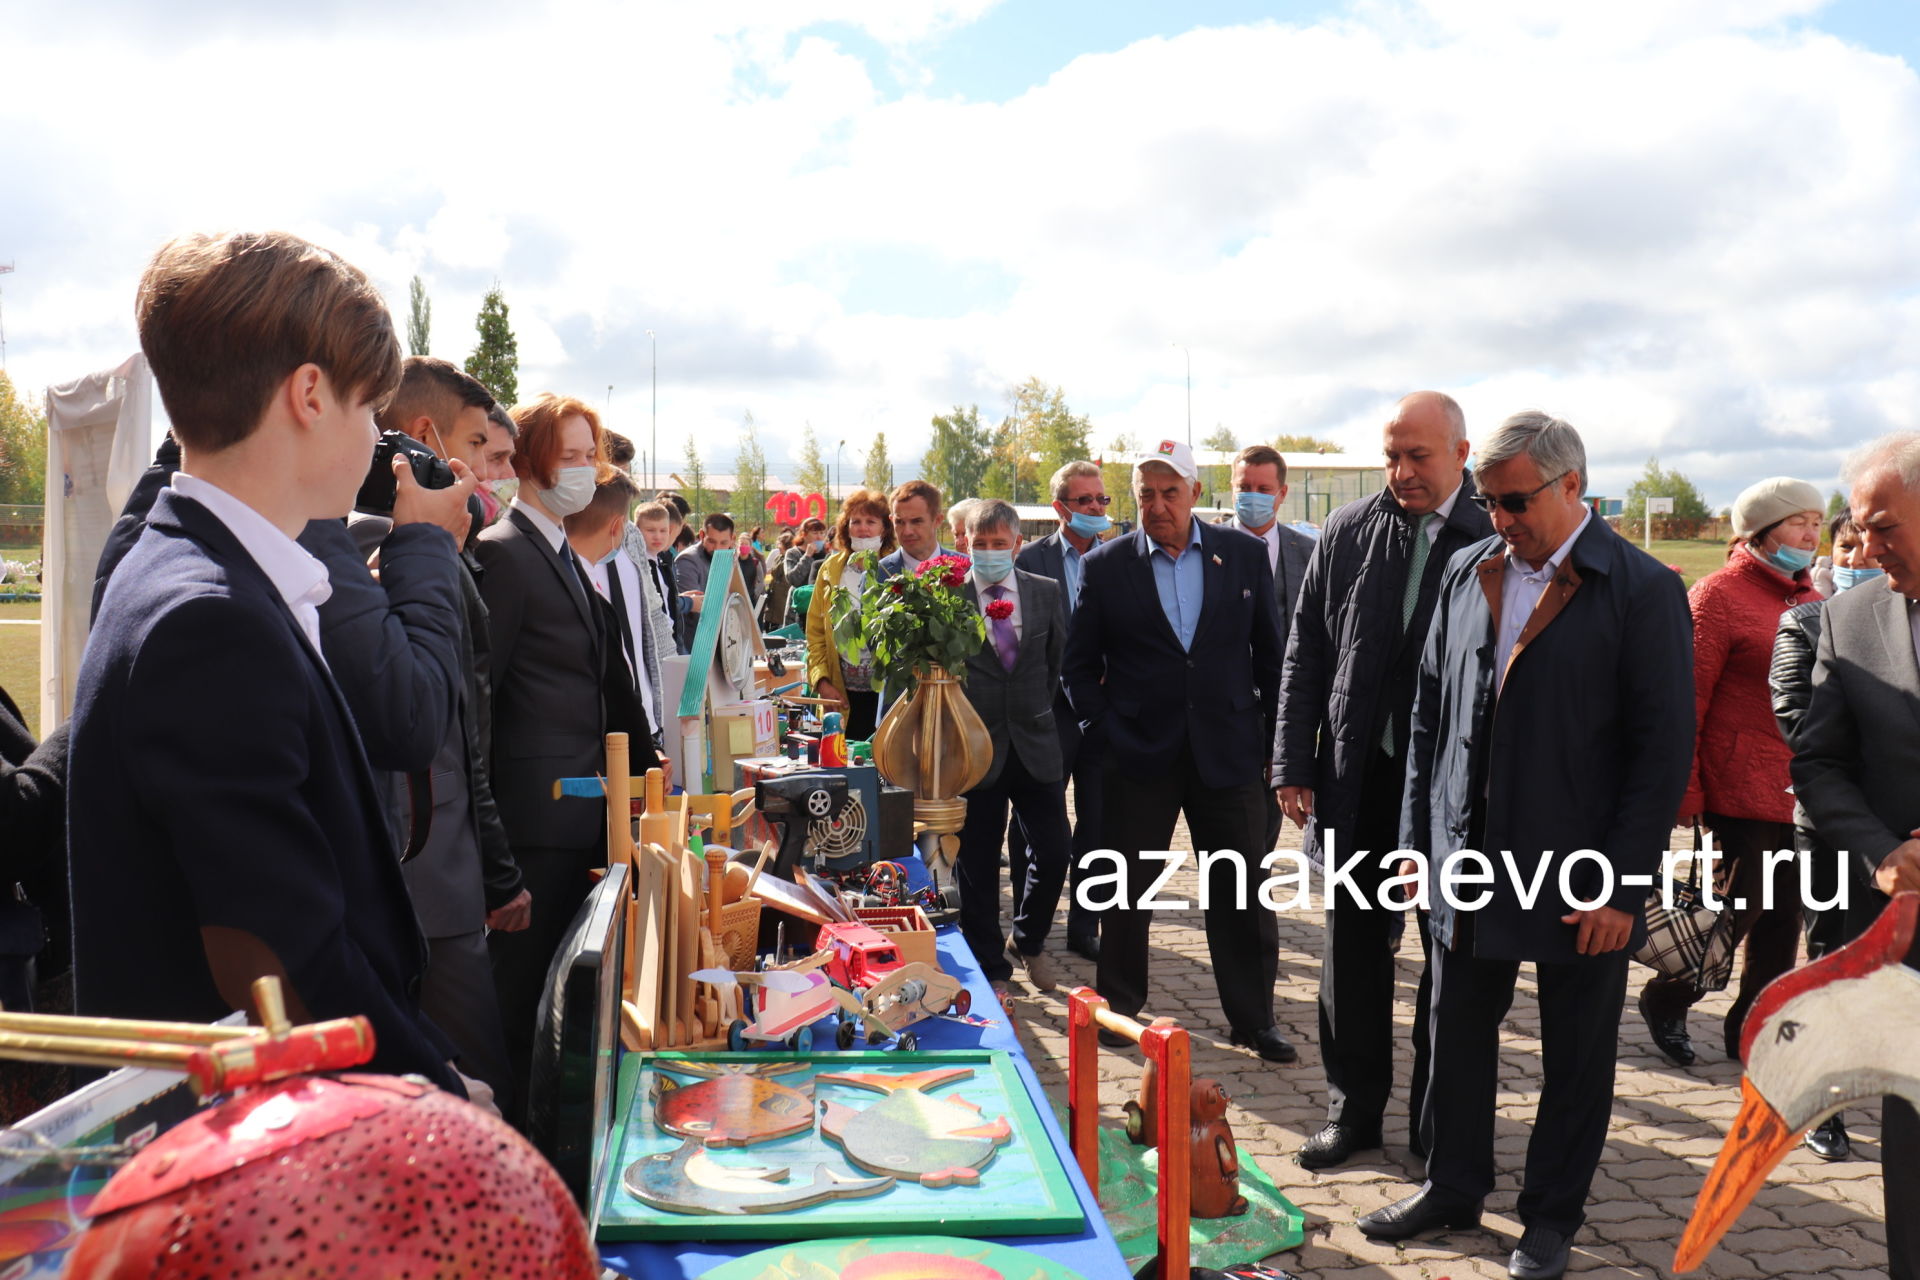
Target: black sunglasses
1512,503
1103,499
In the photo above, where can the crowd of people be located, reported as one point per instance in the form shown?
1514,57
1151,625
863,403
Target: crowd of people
322,709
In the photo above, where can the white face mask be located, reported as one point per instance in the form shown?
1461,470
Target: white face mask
572,491
866,544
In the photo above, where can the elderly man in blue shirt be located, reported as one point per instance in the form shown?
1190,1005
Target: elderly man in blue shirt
1173,669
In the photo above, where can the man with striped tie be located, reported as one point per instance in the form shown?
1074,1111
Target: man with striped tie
1346,697
1011,683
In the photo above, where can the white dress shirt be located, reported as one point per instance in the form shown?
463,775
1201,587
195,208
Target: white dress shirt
1442,511
632,597
295,573
1011,583
1520,590
1271,537
555,535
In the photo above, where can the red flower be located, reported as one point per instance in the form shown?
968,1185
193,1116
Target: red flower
999,609
899,587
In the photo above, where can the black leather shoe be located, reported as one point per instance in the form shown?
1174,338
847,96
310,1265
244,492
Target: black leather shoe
1829,1140
1335,1144
1542,1255
1267,1042
1669,1035
1084,945
1416,1215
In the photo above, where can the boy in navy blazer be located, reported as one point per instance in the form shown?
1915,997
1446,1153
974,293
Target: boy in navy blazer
223,820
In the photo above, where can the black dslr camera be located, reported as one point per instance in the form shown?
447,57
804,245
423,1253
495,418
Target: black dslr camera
377,491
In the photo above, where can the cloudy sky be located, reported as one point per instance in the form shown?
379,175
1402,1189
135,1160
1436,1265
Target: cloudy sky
1690,227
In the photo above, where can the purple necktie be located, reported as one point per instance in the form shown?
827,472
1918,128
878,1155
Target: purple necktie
1004,641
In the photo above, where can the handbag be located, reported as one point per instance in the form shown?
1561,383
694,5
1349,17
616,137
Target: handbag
1690,940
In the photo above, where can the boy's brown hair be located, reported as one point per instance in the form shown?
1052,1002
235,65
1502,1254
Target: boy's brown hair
538,447
224,319
434,388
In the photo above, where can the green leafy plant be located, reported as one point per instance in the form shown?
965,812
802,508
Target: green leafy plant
911,623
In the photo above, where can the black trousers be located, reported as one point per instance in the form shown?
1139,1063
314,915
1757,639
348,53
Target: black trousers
1772,934
863,714
1084,767
459,996
559,880
1357,971
1243,938
1040,808
1900,1167
1579,1033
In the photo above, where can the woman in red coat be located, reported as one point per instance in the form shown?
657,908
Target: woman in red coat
1740,785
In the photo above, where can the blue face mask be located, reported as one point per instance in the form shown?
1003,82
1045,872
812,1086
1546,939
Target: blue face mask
992,566
1845,579
1255,510
1788,560
1088,526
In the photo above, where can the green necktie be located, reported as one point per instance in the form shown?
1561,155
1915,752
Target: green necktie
1410,599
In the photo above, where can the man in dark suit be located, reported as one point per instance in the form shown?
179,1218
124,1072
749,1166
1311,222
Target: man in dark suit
1859,746
549,715
1259,487
1554,725
423,706
597,533
224,824
1012,683
691,569
1080,500
1173,666
1353,654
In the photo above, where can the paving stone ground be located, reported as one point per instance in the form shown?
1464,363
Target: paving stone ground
1811,1220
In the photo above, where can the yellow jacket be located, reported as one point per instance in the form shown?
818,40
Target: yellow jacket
823,656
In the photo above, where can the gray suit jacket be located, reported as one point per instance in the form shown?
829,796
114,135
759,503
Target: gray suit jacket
1017,705
1858,749
1288,573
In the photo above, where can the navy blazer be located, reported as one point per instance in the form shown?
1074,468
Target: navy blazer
219,800
1587,745
1141,696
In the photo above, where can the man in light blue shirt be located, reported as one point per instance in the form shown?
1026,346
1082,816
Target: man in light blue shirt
1177,580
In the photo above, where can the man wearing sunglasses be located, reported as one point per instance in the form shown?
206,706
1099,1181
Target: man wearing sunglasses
1345,701
1080,500
1553,730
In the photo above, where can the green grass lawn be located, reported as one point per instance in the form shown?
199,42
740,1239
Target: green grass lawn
1696,557
20,662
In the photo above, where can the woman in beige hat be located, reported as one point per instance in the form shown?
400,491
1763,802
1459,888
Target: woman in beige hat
1739,786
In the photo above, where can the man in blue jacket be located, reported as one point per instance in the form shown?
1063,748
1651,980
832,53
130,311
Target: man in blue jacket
224,824
1173,668
1552,734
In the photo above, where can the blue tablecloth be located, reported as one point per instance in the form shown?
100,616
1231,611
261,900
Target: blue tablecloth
1092,1251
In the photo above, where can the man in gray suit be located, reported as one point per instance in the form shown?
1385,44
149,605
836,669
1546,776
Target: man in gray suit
1080,500
1012,682
1859,748
1259,487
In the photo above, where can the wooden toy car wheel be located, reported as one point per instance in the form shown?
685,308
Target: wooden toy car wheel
961,1003
736,1036
909,1042
845,1034
801,1041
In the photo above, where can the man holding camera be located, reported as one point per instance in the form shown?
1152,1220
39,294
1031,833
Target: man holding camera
414,676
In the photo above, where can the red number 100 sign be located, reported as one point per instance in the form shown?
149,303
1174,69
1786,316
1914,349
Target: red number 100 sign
792,510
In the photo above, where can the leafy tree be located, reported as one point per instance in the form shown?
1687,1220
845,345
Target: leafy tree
1116,472
1305,444
958,456
693,483
1045,429
1836,503
1659,482
750,478
419,317
879,469
812,476
496,360
23,447
1215,479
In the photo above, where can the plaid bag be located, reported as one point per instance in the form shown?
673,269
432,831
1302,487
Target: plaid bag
1691,940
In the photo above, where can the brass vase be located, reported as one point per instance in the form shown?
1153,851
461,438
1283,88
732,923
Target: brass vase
934,744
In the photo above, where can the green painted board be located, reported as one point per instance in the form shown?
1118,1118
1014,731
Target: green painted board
892,1258
706,637
1023,1190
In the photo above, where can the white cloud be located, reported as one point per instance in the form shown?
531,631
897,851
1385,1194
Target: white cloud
1689,228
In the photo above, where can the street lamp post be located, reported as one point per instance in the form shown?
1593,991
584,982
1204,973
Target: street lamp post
653,456
1189,355
837,477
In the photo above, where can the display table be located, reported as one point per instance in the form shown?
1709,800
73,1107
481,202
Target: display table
1092,1251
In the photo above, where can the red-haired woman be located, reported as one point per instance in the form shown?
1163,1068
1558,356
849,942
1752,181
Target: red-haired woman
862,534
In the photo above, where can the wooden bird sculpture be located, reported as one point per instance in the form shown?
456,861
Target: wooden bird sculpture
1829,1035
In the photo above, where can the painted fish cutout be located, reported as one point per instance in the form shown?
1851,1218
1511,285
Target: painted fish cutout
935,1142
731,1109
688,1180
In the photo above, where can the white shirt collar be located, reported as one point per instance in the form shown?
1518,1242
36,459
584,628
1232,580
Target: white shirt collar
1010,582
295,573
555,535
1554,561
